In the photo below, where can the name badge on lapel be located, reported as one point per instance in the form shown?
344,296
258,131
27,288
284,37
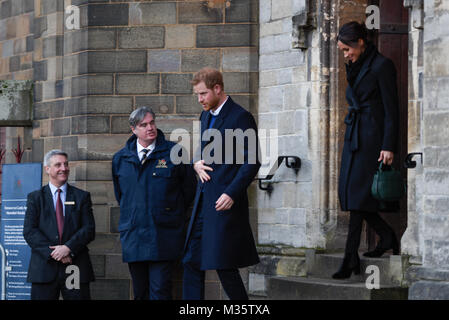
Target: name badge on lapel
69,203
161,164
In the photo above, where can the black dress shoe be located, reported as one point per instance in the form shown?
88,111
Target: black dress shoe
345,271
378,252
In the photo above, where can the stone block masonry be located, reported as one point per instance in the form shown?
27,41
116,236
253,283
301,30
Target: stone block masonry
125,55
427,241
16,67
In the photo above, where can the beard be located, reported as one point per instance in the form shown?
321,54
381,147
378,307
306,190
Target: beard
212,104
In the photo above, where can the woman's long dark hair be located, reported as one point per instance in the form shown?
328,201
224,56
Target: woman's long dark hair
351,32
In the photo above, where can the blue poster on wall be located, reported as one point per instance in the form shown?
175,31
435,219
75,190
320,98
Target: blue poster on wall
17,181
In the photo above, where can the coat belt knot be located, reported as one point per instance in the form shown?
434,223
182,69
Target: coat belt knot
352,120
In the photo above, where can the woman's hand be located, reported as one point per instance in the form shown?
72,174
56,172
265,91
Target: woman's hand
387,157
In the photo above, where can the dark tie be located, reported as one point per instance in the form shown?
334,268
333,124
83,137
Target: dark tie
212,120
144,158
59,215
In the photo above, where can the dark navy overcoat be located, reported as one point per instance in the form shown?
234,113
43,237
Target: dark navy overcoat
227,240
153,201
372,125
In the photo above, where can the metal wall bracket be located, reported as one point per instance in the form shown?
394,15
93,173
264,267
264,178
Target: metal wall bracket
409,163
292,162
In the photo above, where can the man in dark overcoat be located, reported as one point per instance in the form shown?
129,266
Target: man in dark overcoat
219,236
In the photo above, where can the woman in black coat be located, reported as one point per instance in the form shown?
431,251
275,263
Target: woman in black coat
371,136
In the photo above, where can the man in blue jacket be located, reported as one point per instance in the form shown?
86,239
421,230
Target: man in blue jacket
219,235
154,194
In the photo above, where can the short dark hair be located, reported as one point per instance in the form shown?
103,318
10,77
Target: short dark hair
210,76
351,32
137,115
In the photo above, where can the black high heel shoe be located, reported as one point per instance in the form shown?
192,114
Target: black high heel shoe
378,252
345,271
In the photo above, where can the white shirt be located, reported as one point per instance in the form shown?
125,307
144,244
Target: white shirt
54,193
217,111
150,148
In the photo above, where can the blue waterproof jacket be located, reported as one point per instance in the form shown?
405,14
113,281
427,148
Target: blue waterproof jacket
153,199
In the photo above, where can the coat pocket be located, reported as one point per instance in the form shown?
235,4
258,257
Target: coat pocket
163,173
168,217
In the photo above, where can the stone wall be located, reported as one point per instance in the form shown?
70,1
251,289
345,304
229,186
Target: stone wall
432,208
128,54
301,94
285,93
16,55
435,132
288,92
286,71
16,39
411,242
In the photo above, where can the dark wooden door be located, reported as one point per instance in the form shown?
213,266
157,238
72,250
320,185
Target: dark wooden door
392,42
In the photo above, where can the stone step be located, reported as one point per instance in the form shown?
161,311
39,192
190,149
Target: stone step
390,271
255,296
299,288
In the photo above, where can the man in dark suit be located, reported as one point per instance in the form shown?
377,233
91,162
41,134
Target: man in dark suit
219,235
58,226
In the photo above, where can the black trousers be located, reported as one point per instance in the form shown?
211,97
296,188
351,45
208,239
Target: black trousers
52,290
151,279
375,221
194,277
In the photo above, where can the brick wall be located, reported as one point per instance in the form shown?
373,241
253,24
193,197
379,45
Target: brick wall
128,54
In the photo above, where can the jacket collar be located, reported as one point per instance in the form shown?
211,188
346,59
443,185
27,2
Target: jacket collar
221,116
366,66
225,111
53,188
131,145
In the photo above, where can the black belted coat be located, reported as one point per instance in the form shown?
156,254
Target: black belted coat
371,126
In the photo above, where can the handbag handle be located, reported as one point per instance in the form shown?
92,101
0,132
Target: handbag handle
382,166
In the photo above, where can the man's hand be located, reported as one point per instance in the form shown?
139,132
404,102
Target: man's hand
223,203
387,157
201,169
60,252
66,260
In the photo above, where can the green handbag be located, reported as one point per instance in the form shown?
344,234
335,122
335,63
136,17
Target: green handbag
388,185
